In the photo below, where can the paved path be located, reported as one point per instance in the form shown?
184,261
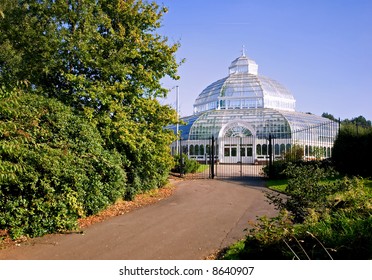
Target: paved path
201,217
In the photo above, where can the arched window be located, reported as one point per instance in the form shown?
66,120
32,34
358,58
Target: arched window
276,148
192,150
264,149
288,148
184,149
196,150
201,150
258,150
282,149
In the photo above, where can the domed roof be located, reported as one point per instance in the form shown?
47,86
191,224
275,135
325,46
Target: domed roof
244,89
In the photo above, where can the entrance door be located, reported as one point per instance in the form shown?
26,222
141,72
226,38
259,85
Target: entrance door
246,153
230,153
236,150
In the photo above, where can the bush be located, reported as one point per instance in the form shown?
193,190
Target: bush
186,165
320,219
352,151
276,171
307,188
53,167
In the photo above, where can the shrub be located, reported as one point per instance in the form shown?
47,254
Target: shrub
186,165
295,154
276,170
307,189
352,151
321,218
53,167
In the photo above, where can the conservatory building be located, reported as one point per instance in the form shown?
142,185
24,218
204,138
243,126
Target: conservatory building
242,112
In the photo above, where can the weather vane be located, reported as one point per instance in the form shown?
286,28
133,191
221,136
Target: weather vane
243,50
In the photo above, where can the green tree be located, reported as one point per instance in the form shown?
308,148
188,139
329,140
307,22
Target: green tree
329,116
53,167
104,59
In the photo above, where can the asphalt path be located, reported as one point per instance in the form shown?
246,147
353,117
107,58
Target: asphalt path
201,217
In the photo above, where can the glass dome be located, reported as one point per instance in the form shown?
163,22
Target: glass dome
242,111
244,89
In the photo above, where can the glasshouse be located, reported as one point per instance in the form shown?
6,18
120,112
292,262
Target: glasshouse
242,112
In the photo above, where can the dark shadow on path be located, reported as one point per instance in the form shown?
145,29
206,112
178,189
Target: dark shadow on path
246,181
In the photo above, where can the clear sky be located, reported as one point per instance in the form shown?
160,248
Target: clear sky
321,50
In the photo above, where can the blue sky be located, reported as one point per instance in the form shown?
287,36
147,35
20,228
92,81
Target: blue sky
321,50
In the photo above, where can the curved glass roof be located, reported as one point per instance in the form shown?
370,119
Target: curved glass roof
243,89
260,122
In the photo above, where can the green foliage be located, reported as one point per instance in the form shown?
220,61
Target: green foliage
353,150
105,59
276,170
319,219
265,240
53,167
307,189
329,116
233,252
185,165
295,154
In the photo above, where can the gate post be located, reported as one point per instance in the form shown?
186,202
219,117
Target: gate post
270,156
212,158
181,163
240,154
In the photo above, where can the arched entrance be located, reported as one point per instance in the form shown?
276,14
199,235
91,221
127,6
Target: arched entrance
236,142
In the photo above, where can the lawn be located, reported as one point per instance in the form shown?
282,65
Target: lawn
277,185
202,168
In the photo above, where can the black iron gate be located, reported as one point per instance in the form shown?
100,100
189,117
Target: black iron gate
237,157
228,157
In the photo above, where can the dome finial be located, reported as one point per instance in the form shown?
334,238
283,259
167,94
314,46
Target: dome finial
243,50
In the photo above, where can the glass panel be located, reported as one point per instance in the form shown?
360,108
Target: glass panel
226,151
196,150
201,148
233,151
208,150
282,149
242,151
192,151
249,151
264,149
277,149
288,147
184,149
258,150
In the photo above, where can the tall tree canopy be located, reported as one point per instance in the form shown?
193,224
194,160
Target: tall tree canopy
102,58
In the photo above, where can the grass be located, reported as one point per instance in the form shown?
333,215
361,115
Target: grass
202,168
281,184
277,185
232,253
368,183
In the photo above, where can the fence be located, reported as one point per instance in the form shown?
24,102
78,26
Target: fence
247,156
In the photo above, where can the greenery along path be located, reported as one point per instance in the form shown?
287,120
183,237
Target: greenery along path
201,217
